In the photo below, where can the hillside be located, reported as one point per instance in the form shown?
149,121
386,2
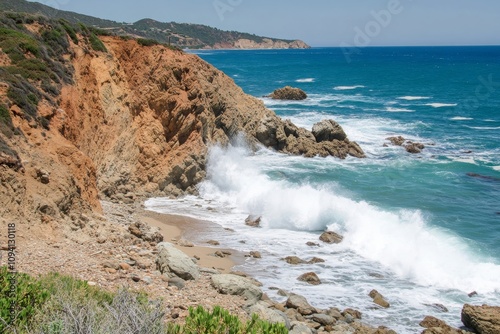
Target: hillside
183,35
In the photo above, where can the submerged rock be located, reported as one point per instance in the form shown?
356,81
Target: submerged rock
310,278
253,221
288,93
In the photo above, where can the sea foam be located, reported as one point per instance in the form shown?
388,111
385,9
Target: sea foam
413,98
441,105
305,80
400,240
348,87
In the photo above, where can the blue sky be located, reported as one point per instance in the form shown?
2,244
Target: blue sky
320,22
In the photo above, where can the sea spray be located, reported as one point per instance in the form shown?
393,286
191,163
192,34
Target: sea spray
400,240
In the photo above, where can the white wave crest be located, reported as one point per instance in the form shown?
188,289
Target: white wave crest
461,118
401,241
306,80
348,87
413,98
392,109
441,105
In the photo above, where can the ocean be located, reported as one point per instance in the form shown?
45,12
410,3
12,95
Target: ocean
422,229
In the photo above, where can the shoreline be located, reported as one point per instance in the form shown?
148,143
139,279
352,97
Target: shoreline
175,227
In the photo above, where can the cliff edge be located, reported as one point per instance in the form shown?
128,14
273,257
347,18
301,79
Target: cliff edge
129,121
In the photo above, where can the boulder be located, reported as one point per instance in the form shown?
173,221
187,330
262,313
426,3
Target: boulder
256,254
310,278
185,243
173,262
288,93
328,130
396,141
146,232
300,303
483,319
323,319
414,148
236,285
300,328
355,314
315,260
379,299
294,260
177,282
434,326
268,314
253,221
331,237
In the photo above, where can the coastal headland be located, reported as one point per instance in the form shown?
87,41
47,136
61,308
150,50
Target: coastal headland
92,125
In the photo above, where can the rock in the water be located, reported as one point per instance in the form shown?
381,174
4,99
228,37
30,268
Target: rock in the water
236,285
300,303
288,93
315,260
396,141
414,148
310,278
331,237
253,221
294,260
268,314
328,130
379,299
173,262
213,242
435,326
256,254
312,244
483,319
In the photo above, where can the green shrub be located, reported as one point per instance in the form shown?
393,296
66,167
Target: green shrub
147,42
4,114
19,307
69,30
220,321
96,43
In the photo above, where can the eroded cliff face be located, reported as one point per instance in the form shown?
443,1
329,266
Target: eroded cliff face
266,43
138,121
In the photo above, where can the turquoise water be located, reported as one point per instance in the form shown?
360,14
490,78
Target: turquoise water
428,225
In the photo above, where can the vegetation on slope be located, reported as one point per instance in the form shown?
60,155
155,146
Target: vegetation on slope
178,34
57,304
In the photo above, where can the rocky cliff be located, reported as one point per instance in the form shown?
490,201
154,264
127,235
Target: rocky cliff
130,121
266,43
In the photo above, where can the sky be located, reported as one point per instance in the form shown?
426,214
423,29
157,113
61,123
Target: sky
319,22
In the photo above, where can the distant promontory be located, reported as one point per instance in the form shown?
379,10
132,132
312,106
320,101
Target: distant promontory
181,35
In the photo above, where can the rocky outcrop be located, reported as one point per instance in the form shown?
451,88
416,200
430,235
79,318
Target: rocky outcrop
436,326
410,147
288,93
236,285
266,43
328,130
483,319
130,122
172,262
